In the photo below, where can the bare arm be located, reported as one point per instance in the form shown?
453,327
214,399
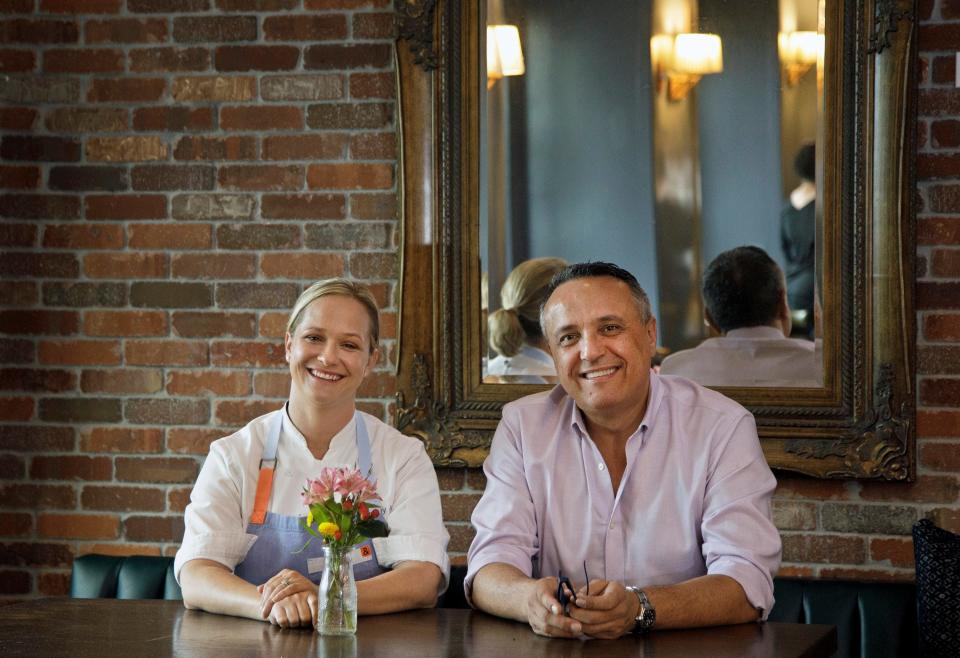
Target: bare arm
410,584
503,590
208,585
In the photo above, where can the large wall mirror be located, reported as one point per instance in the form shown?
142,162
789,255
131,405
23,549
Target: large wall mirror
658,135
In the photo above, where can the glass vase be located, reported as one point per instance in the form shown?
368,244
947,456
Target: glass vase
337,595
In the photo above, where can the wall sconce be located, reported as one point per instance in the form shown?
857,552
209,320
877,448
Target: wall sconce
504,54
799,51
683,59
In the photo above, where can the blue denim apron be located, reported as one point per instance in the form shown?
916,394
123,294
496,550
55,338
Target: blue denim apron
278,537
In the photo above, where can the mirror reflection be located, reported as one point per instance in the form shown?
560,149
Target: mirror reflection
659,136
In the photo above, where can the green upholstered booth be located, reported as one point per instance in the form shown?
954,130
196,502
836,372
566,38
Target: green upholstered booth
118,577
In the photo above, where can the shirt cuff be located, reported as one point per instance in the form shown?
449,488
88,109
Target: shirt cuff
756,585
227,548
393,549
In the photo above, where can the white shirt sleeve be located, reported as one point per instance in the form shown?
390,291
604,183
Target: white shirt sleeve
213,521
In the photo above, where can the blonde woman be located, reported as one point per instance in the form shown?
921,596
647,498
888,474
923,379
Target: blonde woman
514,329
242,527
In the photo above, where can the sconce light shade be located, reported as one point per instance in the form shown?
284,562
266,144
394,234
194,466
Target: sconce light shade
697,54
799,51
504,54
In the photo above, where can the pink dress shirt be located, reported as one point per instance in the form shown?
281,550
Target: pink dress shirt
694,498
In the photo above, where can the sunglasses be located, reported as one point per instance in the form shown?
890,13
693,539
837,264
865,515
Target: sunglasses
564,585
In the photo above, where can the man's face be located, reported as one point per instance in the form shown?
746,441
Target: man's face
601,347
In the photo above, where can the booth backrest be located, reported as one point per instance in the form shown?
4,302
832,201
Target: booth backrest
117,577
873,620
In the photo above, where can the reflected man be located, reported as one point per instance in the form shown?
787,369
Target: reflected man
745,301
650,493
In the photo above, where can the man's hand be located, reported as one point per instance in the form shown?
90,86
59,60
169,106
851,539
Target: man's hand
284,584
545,614
608,612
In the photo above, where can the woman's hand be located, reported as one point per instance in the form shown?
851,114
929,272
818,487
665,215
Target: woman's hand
298,609
284,584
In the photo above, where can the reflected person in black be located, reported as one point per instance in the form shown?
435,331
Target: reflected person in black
745,299
798,235
514,329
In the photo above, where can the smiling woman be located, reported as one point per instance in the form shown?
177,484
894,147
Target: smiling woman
243,550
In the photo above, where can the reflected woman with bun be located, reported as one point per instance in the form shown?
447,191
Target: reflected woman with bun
514,329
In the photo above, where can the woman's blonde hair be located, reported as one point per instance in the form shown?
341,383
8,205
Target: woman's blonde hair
338,286
518,320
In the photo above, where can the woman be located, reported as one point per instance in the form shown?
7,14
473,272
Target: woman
239,557
514,329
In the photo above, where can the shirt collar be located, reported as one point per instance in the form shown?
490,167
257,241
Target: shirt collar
755,332
289,429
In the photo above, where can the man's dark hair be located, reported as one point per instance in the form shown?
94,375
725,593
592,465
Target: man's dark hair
743,287
805,163
596,269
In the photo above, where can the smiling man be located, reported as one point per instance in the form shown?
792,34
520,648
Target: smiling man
650,494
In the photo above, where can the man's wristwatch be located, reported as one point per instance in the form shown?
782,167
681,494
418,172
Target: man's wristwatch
646,615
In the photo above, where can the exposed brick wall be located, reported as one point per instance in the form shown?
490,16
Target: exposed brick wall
166,196
172,174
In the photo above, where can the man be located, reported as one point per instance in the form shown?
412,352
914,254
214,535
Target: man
798,229
745,300
643,482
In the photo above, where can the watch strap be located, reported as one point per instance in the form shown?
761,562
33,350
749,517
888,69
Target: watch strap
646,614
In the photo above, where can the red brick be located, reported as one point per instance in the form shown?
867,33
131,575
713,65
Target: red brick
272,384
256,58
938,423
17,118
940,392
316,27
125,323
316,146
149,60
19,178
71,468
16,409
373,26
79,352
350,116
795,572
160,411
378,385
932,167
344,4
174,178
261,177
303,206
310,266
18,293
240,412
935,295
121,439
77,409
946,518
126,90
373,206
125,30
125,206
872,575
125,149
196,383
940,456
38,496
87,178
42,380
78,526
39,206
945,134
178,499
123,499
165,353
170,236
373,146
122,550
127,380
216,148
258,237
375,409
942,326
926,489
944,70
352,56
214,88
53,584
257,295
40,148
157,469
201,29
83,236
946,263
154,528
192,441
458,507
27,322
15,582
261,117
273,325
460,535
450,479
86,119
125,265
938,103
86,60
80,6
373,265
16,61
939,230
12,467
829,549
38,31
373,85
938,37
214,266
298,87
350,176
247,354
214,325
36,554
809,489
173,119
16,524
256,5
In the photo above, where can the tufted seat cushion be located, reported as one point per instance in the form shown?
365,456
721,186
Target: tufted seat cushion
117,577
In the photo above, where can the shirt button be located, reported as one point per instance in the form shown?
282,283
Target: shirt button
600,466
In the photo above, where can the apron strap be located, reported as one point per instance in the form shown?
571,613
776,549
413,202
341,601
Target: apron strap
268,463
364,461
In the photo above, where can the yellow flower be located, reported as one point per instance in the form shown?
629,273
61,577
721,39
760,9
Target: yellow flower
328,529
310,517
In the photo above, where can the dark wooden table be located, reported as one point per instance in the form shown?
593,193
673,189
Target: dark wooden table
105,628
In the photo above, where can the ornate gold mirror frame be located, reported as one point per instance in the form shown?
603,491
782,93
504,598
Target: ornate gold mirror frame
859,425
